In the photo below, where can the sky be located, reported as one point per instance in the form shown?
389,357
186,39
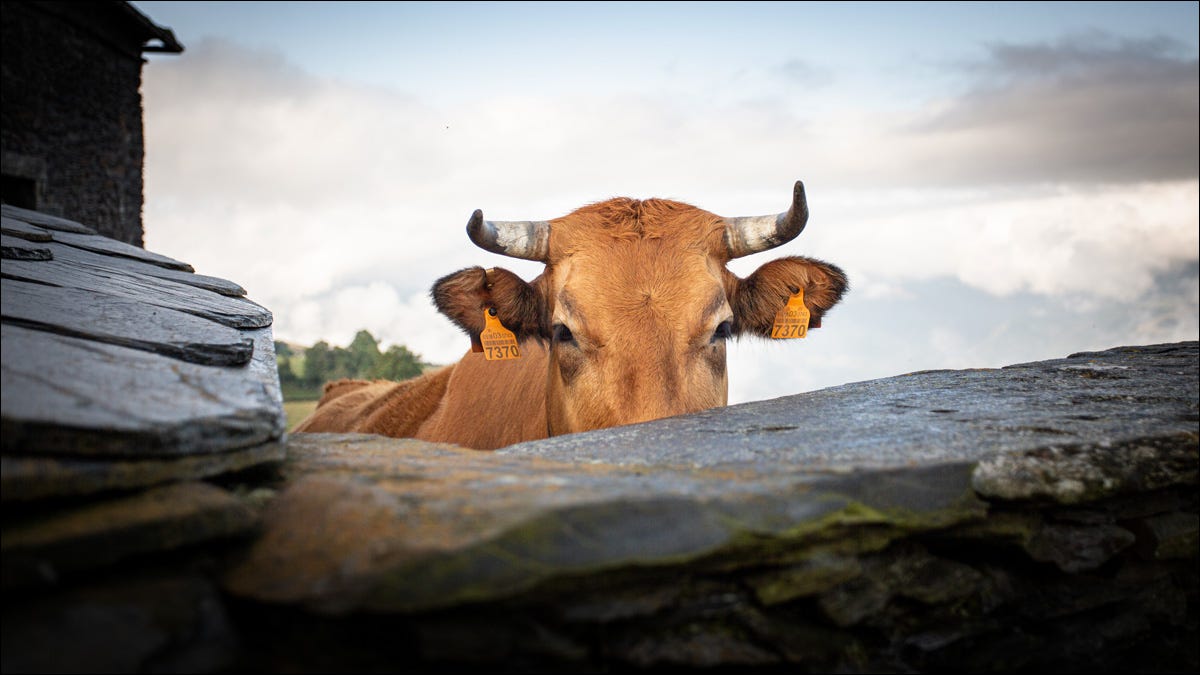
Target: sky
1002,182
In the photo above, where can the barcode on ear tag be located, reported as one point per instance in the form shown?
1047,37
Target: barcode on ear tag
499,343
792,320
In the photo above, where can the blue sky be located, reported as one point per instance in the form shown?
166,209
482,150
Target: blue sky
1003,182
454,51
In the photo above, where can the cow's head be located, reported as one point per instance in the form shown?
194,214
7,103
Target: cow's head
635,301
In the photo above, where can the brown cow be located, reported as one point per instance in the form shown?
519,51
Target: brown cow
627,323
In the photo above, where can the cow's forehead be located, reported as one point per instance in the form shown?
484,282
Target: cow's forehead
633,226
644,278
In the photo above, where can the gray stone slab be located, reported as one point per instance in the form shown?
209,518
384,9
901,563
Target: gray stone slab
1120,398
119,321
65,396
40,547
234,312
15,248
112,247
161,623
19,228
45,220
494,559
32,478
264,369
109,264
367,522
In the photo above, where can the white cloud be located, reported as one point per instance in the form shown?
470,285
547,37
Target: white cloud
1088,107
338,205
1106,242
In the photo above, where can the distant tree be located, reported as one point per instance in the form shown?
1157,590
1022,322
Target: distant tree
362,355
282,349
397,363
339,364
361,360
286,374
318,364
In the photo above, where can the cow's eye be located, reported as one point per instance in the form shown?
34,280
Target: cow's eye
723,332
563,334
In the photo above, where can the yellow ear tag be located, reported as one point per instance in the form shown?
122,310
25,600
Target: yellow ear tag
792,320
499,343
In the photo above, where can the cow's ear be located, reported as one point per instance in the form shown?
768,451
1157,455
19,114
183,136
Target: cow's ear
757,298
465,295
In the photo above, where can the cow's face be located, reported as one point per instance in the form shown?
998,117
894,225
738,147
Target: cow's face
636,303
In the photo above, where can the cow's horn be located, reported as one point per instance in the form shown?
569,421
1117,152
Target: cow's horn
528,239
751,234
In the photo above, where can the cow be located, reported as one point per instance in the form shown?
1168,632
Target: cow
627,323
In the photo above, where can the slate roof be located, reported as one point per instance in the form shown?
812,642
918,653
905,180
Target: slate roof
123,368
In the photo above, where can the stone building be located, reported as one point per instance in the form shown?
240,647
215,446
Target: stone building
72,110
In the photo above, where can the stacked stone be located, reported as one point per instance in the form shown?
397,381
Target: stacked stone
1036,516
71,140
127,381
1040,516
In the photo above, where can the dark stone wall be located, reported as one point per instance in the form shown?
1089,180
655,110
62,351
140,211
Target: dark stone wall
72,116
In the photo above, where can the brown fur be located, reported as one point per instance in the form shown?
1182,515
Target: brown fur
618,329
758,297
444,405
380,407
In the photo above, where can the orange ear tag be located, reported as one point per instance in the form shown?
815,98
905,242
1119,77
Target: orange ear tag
499,343
792,320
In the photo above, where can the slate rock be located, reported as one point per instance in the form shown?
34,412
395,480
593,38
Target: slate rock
917,574
123,322
854,601
1072,474
1076,548
619,604
108,264
70,397
45,220
153,290
41,546
18,228
112,247
15,248
1167,536
696,645
379,553
1126,402
167,624
366,522
820,572
35,478
264,369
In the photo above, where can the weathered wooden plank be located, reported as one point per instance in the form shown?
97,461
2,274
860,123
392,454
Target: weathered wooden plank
119,321
65,396
112,247
45,220
15,248
19,228
30,478
234,312
109,263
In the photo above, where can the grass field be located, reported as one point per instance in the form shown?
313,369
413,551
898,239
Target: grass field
297,411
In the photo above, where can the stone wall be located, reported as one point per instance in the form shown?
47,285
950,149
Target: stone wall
1038,517
72,115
